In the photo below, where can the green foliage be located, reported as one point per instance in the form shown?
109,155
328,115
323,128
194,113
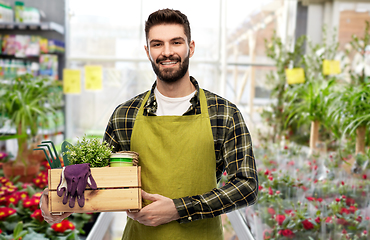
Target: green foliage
89,151
283,58
24,101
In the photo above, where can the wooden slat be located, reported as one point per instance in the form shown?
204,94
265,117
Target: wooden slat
106,177
102,200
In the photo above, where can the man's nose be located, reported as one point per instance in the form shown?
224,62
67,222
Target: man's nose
167,50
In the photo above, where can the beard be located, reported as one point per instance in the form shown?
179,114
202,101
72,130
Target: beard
171,75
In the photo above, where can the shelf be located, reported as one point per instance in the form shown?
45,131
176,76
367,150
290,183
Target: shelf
44,26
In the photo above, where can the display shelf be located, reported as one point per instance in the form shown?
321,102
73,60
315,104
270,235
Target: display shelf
45,26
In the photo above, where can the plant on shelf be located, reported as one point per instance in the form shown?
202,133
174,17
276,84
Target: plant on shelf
352,107
24,103
309,102
359,95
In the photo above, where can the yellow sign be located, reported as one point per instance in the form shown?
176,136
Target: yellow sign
331,67
93,77
71,81
294,75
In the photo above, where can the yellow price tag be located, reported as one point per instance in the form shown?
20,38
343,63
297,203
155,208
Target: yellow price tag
71,81
294,75
331,67
93,78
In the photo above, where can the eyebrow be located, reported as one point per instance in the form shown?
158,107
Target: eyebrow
173,39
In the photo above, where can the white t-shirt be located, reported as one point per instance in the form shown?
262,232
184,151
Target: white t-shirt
172,106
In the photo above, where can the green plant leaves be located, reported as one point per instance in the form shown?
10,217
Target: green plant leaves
91,151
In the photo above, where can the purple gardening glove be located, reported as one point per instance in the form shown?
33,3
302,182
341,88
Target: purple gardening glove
73,182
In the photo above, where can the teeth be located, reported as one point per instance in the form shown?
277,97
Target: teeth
168,63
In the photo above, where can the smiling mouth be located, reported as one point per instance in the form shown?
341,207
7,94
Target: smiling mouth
168,63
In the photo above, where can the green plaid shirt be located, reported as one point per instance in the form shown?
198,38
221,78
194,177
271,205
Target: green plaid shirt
233,148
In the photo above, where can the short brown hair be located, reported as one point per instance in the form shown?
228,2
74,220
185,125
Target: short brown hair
165,16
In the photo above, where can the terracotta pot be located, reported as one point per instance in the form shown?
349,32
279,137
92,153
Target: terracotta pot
26,174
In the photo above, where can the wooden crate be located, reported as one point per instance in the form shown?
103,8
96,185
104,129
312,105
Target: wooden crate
119,189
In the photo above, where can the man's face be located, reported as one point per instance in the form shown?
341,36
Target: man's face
169,52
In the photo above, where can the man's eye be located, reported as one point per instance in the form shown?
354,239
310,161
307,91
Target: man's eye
156,45
177,43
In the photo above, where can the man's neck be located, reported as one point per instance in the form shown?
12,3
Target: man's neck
180,88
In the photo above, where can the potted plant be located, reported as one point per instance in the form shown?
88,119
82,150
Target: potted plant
89,150
310,102
24,105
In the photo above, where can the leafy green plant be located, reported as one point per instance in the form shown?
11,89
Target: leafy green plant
284,58
310,102
91,151
357,117
352,107
24,101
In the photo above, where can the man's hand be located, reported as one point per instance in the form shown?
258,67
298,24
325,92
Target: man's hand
162,210
44,206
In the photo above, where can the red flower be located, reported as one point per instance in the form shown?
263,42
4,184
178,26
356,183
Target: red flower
352,209
3,180
267,172
350,201
344,210
342,221
5,212
277,192
260,187
63,226
310,199
37,215
270,191
22,195
328,220
317,220
13,198
319,199
364,176
288,211
270,178
337,199
286,233
280,219
342,183
307,224
32,203
271,211
37,196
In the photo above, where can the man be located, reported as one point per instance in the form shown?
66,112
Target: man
186,138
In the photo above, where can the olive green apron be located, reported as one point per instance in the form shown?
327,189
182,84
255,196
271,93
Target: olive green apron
177,159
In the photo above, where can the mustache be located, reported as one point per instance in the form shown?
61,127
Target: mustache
171,58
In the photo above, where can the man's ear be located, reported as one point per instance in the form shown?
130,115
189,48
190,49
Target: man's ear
191,48
147,52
